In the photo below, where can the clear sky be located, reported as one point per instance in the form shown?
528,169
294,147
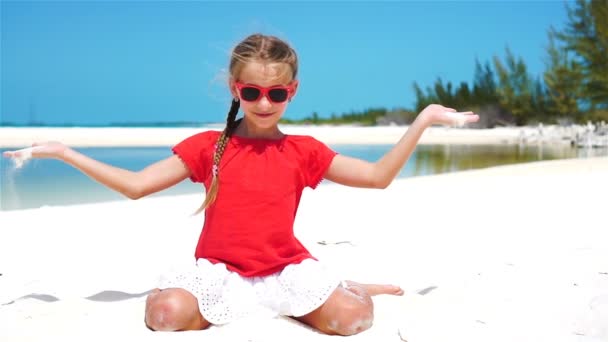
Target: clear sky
84,62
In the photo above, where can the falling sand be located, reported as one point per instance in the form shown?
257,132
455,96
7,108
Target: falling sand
21,156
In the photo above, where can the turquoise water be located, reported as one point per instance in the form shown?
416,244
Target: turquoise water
44,182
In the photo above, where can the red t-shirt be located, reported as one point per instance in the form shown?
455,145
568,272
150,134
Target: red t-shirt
249,227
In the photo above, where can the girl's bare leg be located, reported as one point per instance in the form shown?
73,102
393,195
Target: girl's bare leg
173,310
348,310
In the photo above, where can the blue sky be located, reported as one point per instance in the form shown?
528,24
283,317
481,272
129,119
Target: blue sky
95,63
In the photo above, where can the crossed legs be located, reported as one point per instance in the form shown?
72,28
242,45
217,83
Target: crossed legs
347,311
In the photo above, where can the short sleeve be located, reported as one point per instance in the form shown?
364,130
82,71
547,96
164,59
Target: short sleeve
196,152
319,160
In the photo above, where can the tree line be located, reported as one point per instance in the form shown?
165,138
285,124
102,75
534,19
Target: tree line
572,89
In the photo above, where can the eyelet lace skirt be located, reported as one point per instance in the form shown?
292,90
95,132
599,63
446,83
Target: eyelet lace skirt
224,296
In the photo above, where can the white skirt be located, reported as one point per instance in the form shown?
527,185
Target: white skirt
225,296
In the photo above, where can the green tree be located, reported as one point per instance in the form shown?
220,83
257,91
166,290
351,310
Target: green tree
484,85
422,99
564,81
443,93
586,34
539,101
463,96
515,88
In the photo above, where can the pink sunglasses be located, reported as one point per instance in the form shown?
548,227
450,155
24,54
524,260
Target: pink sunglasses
276,94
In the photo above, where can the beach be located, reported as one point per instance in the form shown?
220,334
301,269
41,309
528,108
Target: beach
509,253
16,137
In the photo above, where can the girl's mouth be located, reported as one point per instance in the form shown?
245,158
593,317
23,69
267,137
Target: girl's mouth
263,115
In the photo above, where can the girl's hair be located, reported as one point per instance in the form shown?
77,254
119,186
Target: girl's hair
256,47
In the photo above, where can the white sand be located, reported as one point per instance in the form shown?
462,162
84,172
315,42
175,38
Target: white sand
83,137
513,253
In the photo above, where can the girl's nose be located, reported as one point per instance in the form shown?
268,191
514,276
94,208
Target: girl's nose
264,102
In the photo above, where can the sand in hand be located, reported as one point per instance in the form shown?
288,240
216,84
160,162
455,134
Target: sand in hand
458,118
21,156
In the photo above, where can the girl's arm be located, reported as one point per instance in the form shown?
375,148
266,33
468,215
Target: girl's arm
359,173
133,185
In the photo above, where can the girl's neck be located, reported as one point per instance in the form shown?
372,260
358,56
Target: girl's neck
247,130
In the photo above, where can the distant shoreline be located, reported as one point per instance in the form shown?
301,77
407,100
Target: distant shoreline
177,124
16,137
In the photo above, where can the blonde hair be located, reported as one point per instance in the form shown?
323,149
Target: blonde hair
256,47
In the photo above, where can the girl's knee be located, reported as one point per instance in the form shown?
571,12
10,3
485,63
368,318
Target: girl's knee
352,322
355,316
170,310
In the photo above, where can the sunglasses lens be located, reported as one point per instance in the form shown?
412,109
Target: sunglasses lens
278,95
250,93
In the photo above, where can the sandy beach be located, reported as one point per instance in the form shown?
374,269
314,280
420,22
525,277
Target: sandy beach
510,253
14,137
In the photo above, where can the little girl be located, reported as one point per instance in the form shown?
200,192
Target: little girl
247,256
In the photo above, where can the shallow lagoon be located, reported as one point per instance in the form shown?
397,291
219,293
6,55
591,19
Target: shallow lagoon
52,183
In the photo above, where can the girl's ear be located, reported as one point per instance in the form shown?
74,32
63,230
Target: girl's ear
233,90
295,84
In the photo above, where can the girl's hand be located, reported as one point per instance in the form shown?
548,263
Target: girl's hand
438,114
50,149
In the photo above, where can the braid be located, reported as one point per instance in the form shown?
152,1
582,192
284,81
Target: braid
220,147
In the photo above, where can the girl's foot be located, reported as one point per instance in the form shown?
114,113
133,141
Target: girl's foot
379,289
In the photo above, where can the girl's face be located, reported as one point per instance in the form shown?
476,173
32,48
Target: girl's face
264,107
